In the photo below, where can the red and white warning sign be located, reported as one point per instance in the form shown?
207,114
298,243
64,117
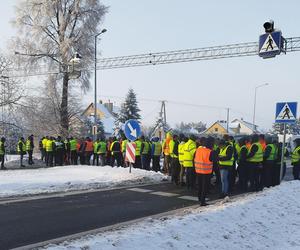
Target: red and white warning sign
130,152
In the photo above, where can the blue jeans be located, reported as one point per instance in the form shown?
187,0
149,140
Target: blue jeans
225,180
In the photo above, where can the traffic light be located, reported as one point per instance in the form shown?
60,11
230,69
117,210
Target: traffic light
269,26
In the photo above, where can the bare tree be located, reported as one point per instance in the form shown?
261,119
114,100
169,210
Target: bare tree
41,112
52,32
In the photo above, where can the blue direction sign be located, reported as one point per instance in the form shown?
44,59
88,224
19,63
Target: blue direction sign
270,44
132,130
286,112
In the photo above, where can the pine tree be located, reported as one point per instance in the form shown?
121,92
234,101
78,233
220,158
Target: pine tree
291,128
129,109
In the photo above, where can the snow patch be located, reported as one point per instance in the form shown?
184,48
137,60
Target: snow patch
267,220
70,178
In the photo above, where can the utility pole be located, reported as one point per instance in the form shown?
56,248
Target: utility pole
227,128
254,106
95,81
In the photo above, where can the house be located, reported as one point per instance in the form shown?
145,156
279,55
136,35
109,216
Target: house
246,128
236,127
218,128
106,112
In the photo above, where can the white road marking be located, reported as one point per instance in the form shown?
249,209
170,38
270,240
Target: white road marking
164,194
141,190
190,198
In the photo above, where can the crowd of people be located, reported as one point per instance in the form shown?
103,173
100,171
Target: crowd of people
251,163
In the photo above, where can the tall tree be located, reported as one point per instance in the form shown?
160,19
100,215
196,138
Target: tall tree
291,128
129,109
52,32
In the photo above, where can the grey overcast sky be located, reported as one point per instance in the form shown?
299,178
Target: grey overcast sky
139,26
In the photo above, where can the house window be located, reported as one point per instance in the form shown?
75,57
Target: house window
216,129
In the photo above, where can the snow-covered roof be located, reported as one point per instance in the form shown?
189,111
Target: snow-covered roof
249,125
223,124
108,118
234,125
107,114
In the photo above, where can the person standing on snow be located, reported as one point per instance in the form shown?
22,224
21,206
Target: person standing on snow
255,160
189,149
205,156
296,159
156,150
175,165
21,149
29,149
116,154
226,160
2,152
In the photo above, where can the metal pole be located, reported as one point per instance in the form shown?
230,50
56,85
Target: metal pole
254,110
95,97
165,115
227,123
282,152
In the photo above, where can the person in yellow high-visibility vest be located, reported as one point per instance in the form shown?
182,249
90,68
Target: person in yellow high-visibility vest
175,165
188,161
95,155
296,159
254,162
21,149
182,140
226,160
138,161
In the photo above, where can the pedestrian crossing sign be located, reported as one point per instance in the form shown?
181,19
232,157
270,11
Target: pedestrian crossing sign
286,112
270,44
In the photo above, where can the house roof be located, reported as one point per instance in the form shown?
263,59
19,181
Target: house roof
247,124
223,124
109,118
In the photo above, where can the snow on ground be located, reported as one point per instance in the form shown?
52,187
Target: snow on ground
70,178
267,220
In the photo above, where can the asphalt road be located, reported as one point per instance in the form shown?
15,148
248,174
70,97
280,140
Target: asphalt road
28,222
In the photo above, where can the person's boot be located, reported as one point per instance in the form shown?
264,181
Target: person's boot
3,168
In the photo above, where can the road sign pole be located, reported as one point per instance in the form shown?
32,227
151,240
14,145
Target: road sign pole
130,167
282,153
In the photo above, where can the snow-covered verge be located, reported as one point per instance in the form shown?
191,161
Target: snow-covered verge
70,178
268,220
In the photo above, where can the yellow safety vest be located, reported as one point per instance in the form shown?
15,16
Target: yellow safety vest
223,152
189,152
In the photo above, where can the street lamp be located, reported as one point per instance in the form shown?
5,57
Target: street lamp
254,109
95,78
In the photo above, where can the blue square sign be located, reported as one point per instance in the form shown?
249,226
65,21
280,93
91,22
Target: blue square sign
270,44
286,112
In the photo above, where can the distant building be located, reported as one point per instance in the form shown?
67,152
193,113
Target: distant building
236,127
107,112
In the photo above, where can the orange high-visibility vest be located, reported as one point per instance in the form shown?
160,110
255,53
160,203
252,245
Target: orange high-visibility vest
166,147
202,163
248,145
89,146
263,144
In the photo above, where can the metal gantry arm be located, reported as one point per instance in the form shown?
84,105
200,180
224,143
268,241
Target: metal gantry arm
176,56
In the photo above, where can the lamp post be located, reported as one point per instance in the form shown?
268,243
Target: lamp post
254,108
95,79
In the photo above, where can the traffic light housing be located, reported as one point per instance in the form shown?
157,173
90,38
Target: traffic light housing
269,26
